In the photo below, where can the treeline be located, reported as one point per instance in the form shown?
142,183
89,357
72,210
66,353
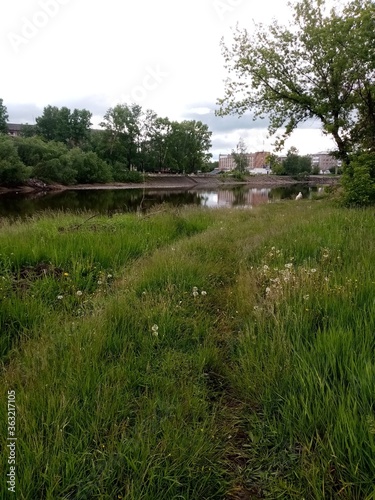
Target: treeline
62,147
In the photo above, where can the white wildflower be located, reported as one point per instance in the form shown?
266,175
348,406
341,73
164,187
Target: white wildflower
203,292
154,330
60,297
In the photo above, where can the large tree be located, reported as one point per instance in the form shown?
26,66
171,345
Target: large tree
122,125
322,66
63,125
3,118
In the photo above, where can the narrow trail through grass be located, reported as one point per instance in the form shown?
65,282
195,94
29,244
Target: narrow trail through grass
193,354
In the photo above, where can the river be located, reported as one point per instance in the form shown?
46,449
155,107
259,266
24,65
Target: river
132,200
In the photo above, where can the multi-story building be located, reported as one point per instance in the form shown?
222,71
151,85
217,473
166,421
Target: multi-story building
254,160
324,161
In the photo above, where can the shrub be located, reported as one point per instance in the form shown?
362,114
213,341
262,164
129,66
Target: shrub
359,180
12,169
122,174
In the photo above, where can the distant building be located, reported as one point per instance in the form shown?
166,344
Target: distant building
256,160
14,129
324,161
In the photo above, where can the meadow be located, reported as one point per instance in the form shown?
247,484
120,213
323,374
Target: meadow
190,353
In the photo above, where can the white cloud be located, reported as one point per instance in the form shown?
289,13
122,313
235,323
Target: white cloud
96,54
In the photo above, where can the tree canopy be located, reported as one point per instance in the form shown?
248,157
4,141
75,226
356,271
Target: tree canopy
322,66
62,147
3,118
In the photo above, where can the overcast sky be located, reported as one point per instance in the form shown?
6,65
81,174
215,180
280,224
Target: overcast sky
165,55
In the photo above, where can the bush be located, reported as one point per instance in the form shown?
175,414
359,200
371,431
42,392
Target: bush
33,150
56,170
359,180
89,168
12,169
122,174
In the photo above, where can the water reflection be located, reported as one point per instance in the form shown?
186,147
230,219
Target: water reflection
131,200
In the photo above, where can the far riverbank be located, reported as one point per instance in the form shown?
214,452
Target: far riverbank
167,181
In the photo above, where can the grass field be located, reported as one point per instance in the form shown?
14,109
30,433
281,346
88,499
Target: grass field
190,354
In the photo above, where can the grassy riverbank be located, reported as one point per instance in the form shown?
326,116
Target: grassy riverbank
191,354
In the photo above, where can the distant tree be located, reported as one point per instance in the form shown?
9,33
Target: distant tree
240,156
62,125
12,170
157,144
275,164
295,164
122,125
3,118
28,130
188,145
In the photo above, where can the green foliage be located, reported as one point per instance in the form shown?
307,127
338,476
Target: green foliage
358,180
240,157
28,130
123,174
131,140
12,170
296,165
4,117
63,125
89,167
34,151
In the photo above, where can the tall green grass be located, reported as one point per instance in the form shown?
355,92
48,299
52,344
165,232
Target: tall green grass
212,354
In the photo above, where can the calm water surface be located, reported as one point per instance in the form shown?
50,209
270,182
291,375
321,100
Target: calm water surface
131,200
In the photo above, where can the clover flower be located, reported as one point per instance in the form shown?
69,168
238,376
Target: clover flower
154,330
60,297
79,293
